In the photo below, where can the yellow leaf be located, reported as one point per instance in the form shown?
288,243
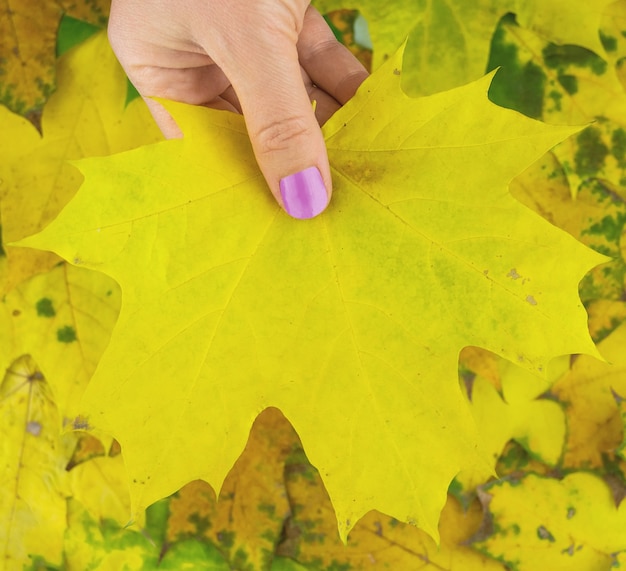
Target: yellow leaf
542,523
101,486
564,21
537,424
594,423
33,456
85,117
350,323
64,319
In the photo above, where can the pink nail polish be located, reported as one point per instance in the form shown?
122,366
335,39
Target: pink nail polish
304,194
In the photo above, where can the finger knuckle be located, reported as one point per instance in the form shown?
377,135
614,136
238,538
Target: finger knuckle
282,135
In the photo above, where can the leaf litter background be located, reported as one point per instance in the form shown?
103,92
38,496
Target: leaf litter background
275,511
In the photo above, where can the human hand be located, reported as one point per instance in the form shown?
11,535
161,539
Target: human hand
267,59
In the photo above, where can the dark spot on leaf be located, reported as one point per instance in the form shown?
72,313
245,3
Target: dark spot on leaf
530,299
396,71
513,274
109,293
556,97
569,83
66,334
226,538
33,427
561,57
80,423
45,308
16,313
571,512
591,152
543,533
610,227
618,146
2,252
609,43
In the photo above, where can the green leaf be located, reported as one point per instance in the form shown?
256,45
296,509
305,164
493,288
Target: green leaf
350,323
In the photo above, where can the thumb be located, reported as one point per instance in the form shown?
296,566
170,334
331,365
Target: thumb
283,130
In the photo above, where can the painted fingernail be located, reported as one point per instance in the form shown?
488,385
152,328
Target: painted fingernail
304,194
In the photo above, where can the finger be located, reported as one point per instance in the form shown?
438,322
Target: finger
330,64
230,96
283,130
194,85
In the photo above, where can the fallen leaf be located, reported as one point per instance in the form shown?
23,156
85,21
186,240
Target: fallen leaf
537,424
565,84
519,414
351,323
33,456
543,523
101,486
564,21
594,424
63,319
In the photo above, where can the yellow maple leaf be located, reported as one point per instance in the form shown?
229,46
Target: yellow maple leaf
537,424
350,323
85,117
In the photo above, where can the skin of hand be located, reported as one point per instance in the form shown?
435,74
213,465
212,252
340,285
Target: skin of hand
266,59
